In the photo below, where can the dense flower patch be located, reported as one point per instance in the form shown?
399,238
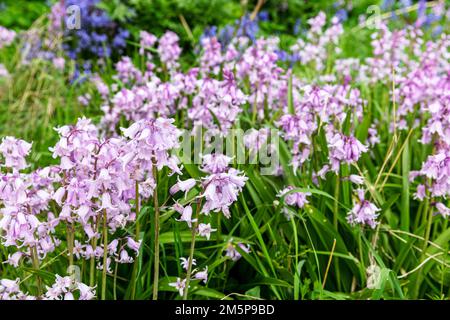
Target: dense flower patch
120,198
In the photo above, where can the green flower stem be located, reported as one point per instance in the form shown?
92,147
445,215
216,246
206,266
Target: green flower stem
191,253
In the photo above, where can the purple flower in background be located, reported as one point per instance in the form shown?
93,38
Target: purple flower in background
59,63
316,47
147,41
233,253
406,3
373,137
209,32
263,15
244,27
6,37
3,71
437,169
421,13
212,56
437,31
254,140
169,50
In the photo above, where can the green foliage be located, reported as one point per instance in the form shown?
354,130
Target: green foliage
158,16
21,14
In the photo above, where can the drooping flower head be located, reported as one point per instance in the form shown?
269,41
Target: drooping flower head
297,199
344,149
222,186
363,212
151,140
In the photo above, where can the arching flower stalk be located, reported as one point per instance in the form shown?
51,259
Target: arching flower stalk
192,249
149,146
219,190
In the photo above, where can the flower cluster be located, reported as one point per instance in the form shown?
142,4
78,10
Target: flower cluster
91,191
222,185
344,149
201,275
364,212
316,48
10,290
246,27
64,288
86,206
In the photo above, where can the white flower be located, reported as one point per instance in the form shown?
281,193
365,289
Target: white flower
185,262
204,230
180,285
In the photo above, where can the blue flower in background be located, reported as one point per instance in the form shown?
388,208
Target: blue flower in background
98,37
406,3
342,15
120,39
387,4
286,57
209,32
297,26
421,10
394,16
226,34
423,19
431,18
282,55
244,27
247,27
437,31
263,15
